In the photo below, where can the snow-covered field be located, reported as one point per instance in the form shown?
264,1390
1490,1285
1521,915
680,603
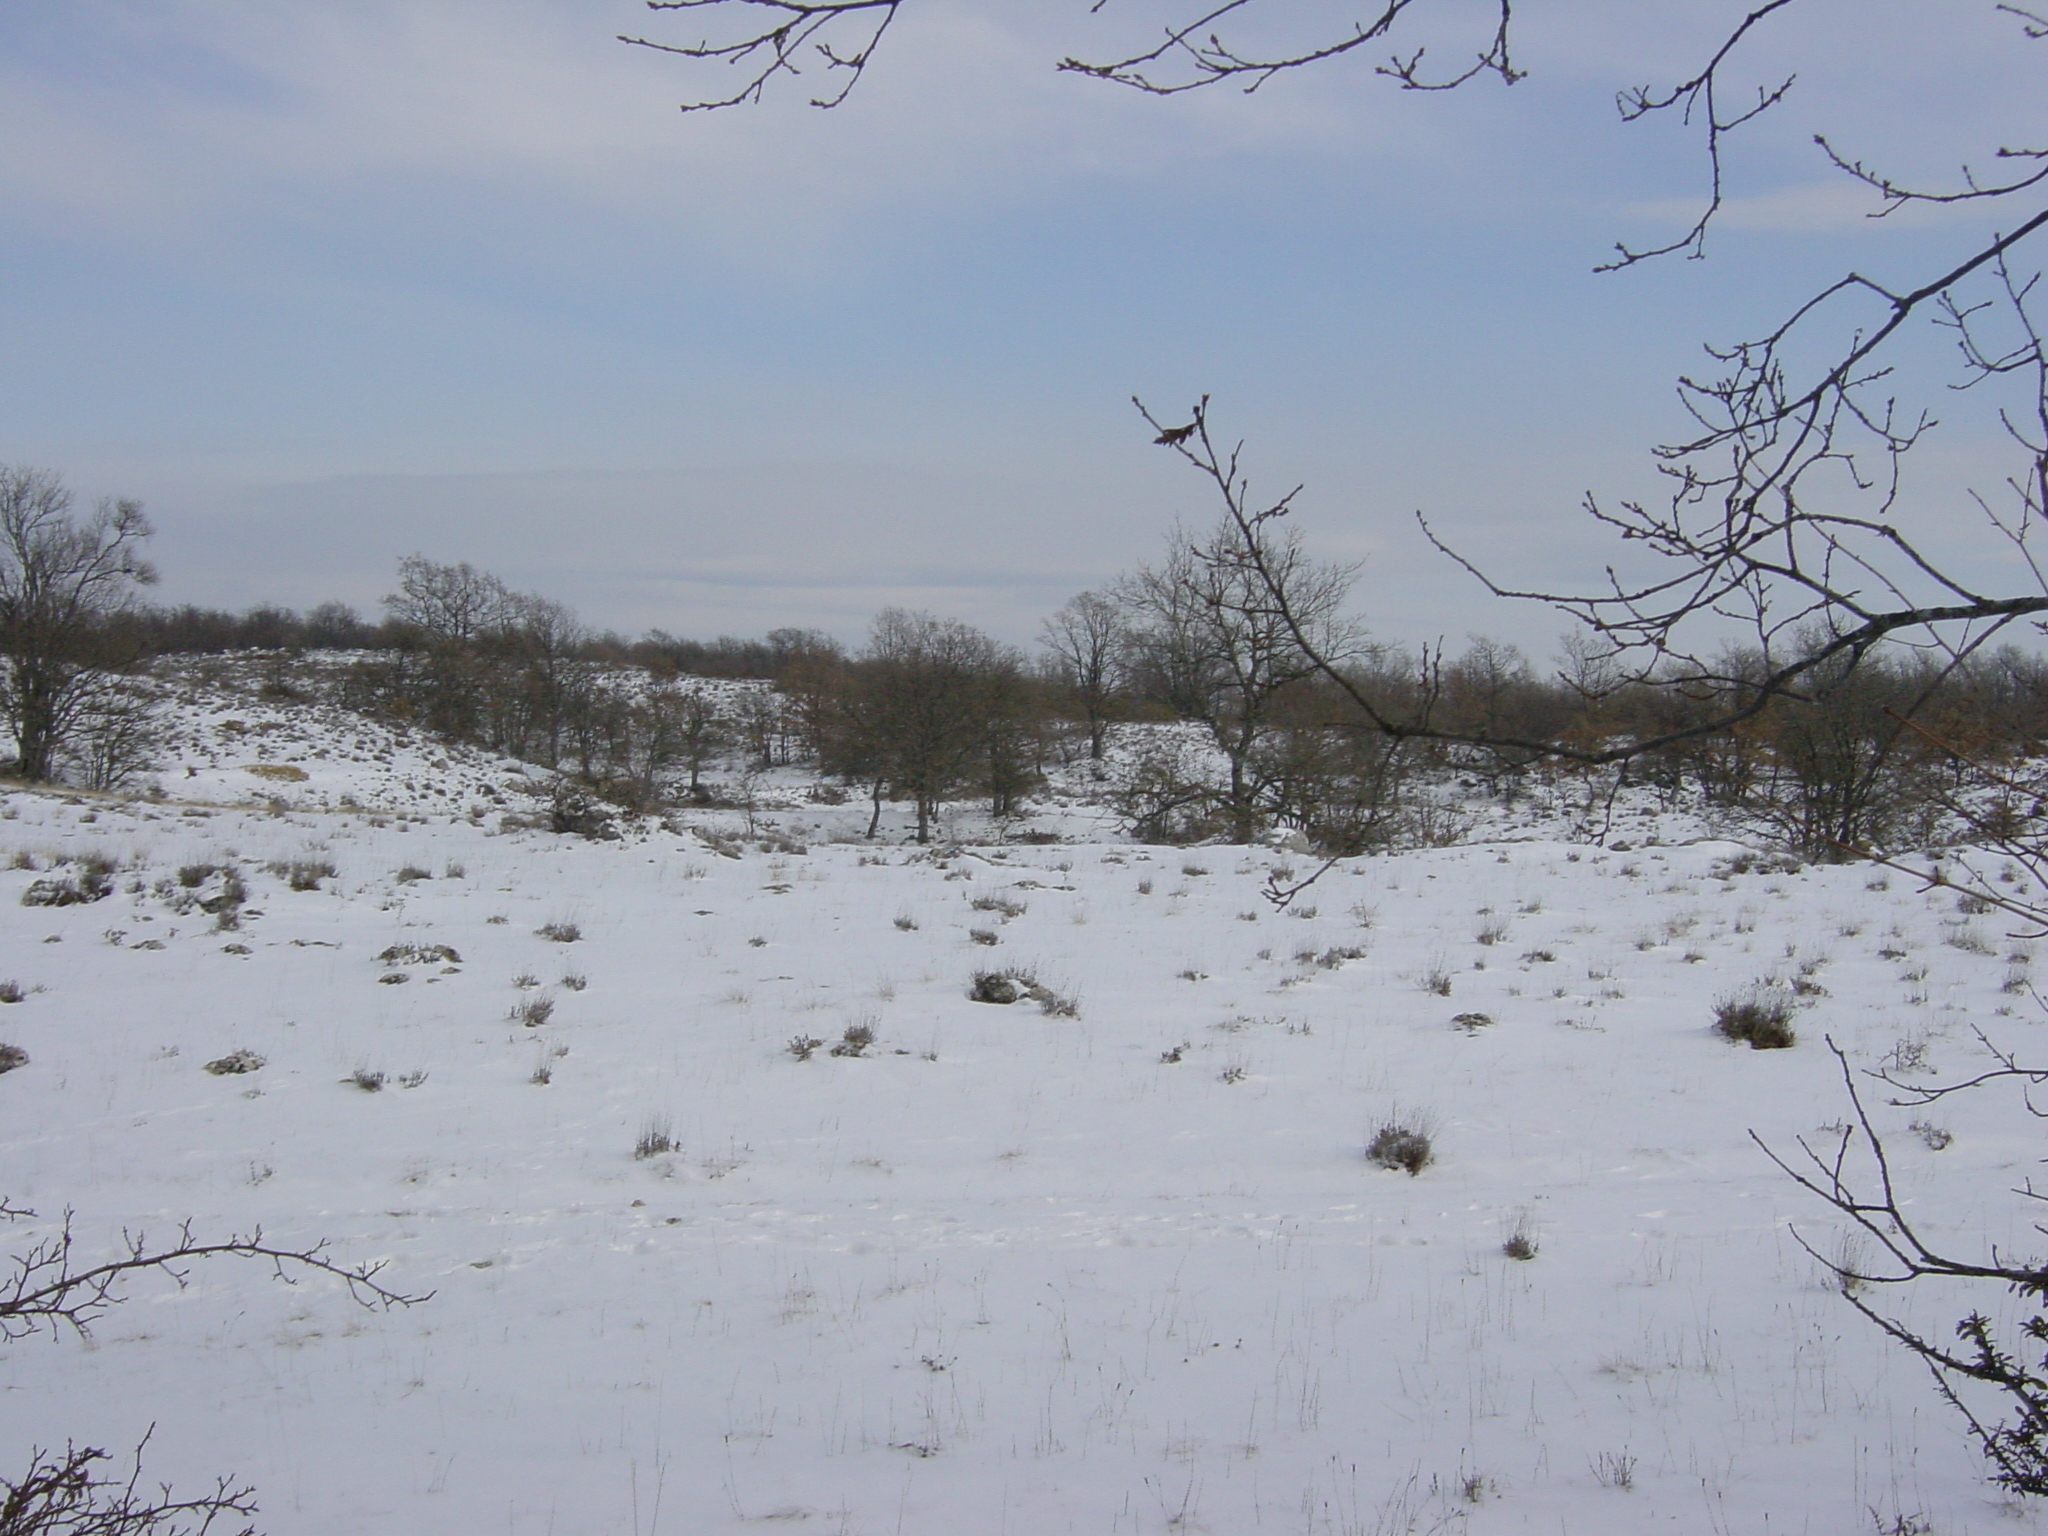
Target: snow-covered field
1006,1271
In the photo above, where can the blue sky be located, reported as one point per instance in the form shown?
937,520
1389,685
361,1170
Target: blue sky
328,284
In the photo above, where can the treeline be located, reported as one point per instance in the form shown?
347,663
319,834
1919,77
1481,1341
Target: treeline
929,709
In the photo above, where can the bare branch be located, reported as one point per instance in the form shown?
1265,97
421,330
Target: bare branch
59,1495
48,1288
778,37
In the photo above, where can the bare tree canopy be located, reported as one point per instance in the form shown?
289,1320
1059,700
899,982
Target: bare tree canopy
1782,513
63,581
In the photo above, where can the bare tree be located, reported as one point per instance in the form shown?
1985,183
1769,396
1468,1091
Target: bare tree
64,580
1217,648
455,604
1088,645
927,710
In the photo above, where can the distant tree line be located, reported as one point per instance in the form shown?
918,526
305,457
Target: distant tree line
929,709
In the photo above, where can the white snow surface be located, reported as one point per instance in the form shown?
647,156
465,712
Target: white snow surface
1007,1272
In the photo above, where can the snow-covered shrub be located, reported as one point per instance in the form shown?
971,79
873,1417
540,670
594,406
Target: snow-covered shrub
1759,1017
235,1063
857,1038
92,879
533,1011
657,1137
1402,1146
12,1056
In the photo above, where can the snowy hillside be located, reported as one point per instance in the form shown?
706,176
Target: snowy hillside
1110,1258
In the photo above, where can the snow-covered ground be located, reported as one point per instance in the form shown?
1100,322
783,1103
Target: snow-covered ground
1007,1271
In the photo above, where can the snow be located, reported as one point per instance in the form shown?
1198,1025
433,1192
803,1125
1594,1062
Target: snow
1005,1271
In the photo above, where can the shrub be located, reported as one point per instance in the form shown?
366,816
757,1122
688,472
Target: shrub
365,1078
1520,1244
801,1046
560,933
235,1063
1054,1006
657,1136
906,922
533,1011
1472,1023
575,981
11,992
995,987
1398,1146
855,1041
982,936
12,1056
301,874
1759,1017
92,880
1003,904
192,876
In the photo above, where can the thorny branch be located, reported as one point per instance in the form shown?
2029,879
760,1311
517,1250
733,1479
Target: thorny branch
778,37
2017,1447
49,1289
59,1495
1192,55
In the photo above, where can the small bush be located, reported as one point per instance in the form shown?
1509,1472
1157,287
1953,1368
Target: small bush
1172,1056
982,936
1491,932
855,1041
657,1136
93,880
1520,1244
575,981
303,874
1936,1138
1759,1017
12,1056
192,876
368,1080
533,1011
1472,1023
235,1063
1054,1006
906,922
543,1073
803,1046
408,873
1402,1147
1002,904
995,987
11,992
560,933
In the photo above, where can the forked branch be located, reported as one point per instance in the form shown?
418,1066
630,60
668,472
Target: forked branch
49,1289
